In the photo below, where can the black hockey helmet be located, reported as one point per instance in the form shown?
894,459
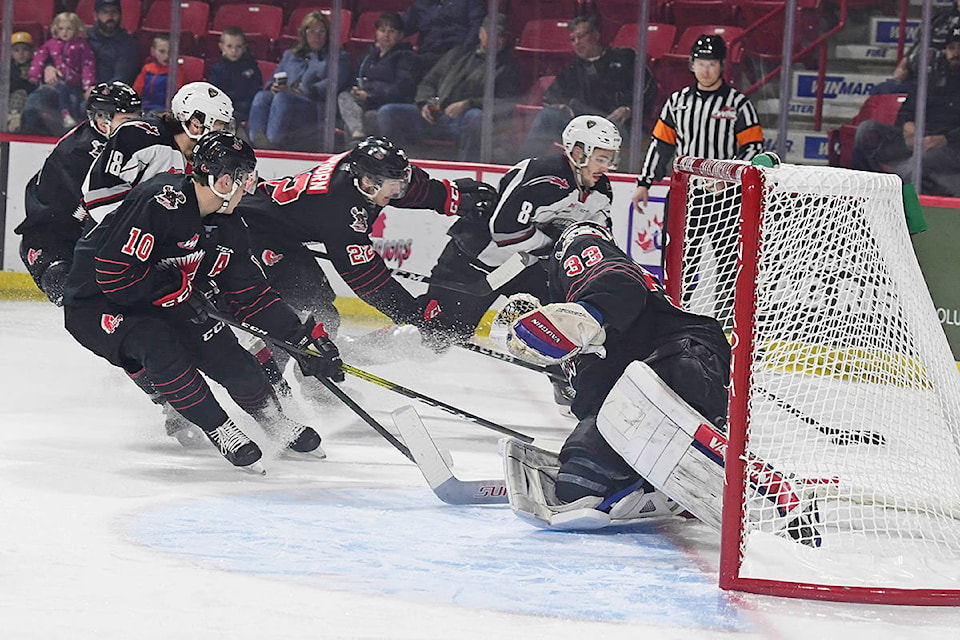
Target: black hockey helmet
583,228
379,160
110,98
222,152
709,47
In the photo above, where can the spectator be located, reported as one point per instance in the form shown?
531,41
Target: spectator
889,148
443,25
905,74
599,82
386,74
151,84
21,55
116,51
65,62
237,72
290,109
450,97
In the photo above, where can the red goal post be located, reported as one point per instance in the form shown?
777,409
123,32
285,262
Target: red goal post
841,379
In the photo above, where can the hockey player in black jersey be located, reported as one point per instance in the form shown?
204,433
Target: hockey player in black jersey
610,312
135,296
54,219
538,198
163,143
337,203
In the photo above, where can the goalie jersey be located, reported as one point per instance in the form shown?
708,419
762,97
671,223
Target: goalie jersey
138,150
641,321
324,205
539,197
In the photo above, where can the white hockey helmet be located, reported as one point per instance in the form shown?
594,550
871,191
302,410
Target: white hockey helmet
204,102
591,132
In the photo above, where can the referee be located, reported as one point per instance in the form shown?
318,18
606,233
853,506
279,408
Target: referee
709,120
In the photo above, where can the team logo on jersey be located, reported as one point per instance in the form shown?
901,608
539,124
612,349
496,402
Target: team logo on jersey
170,197
146,126
359,223
33,255
191,243
725,113
96,147
110,323
188,263
223,259
269,258
557,180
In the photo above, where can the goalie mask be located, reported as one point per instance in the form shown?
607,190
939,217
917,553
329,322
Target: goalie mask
221,152
107,99
581,229
205,103
589,133
382,163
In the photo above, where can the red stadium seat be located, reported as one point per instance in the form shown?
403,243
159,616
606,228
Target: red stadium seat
129,14
690,13
193,17
252,18
38,11
208,46
543,49
266,68
520,12
191,69
660,38
379,6
612,14
882,108
766,42
145,39
39,32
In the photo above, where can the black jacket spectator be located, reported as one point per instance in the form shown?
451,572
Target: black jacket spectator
118,57
389,78
443,25
241,80
598,87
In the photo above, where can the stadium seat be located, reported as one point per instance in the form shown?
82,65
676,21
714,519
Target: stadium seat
193,17
252,18
216,4
144,39
543,48
660,38
267,68
191,69
882,108
208,46
690,13
613,14
36,30
38,11
379,6
129,13
765,44
520,12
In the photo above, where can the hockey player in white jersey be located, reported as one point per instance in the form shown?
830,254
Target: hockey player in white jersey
145,147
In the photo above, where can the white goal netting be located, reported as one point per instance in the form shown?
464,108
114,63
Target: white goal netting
852,389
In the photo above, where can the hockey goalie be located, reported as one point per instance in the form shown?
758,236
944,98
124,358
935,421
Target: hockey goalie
651,400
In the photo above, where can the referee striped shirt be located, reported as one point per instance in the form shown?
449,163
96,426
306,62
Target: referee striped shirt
720,124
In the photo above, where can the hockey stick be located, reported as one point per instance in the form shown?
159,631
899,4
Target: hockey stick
329,384
404,391
505,357
435,469
837,435
482,287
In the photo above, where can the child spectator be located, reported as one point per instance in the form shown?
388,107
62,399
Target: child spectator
66,62
21,54
151,84
237,72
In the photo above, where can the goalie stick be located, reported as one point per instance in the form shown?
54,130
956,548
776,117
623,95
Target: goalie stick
329,384
435,469
500,276
837,435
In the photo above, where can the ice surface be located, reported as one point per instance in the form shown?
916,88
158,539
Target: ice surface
110,530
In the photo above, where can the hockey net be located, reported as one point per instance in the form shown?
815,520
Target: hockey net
841,378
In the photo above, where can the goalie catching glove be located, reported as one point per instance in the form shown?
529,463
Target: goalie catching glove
324,359
557,332
470,199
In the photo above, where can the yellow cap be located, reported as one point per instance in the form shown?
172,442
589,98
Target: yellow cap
21,37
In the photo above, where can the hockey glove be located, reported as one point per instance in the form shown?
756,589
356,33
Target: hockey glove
470,199
324,359
516,305
178,293
557,332
433,334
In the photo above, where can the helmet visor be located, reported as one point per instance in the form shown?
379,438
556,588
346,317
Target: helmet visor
246,181
394,187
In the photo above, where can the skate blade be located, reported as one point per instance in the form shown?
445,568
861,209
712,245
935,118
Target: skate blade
254,468
316,454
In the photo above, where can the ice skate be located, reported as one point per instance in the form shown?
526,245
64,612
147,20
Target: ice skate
236,447
291,434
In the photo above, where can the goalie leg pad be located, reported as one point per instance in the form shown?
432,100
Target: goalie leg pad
531,476
666,441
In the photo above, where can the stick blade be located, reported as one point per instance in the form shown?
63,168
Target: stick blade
435,470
